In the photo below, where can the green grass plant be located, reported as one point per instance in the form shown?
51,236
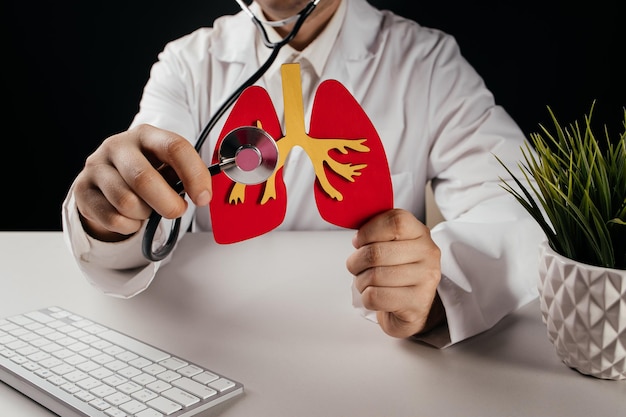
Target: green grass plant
576,191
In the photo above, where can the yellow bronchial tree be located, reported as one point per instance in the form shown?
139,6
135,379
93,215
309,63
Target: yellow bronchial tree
317,150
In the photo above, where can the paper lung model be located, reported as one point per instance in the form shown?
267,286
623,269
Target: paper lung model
352,184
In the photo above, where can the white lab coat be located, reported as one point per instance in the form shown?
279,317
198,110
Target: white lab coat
436,119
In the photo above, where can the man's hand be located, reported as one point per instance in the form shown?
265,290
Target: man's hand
397,269
121,183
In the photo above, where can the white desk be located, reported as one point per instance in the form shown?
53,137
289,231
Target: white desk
289,333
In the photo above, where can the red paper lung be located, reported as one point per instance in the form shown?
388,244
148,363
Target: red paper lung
336,114
236,221
353,182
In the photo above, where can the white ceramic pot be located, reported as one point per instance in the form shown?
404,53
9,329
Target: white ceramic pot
584,309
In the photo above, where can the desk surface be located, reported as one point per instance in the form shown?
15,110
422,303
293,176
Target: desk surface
270,314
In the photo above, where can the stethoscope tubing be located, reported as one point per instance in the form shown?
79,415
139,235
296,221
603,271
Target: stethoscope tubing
155,218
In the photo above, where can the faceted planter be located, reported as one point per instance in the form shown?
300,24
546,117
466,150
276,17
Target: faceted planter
584,309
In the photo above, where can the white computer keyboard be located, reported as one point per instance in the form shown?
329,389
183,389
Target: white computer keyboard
77,367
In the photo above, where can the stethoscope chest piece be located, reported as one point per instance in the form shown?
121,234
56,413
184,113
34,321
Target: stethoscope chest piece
248,155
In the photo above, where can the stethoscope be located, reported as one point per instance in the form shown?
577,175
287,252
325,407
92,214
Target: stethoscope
248,154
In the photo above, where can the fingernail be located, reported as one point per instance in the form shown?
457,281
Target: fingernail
204,198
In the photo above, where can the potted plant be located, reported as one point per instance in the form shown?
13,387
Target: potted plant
576,191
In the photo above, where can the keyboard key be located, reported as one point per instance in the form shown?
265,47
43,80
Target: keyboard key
173,363
181,397
168,376
102,391
84,396
71,388
129,372
194,387
205,377
50,362
115,365
99,404
222,384
125,355
62,369
88,383
128,387
143,379
40,317
20,320
144,395
164,405
132,407
43,373
115,412
158,386
153,369
189,370
117,398
133,345
140,363
114,380
87,366
149,412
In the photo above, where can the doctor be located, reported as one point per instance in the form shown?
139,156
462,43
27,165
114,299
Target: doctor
435,117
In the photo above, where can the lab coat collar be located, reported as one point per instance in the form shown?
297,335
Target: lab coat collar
354,48
316,53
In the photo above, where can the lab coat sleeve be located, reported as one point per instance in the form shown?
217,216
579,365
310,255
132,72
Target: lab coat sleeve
119,268
489,243
484,279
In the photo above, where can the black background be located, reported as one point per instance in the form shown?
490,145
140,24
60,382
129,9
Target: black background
73,73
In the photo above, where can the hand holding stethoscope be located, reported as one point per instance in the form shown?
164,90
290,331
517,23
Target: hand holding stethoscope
248,155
